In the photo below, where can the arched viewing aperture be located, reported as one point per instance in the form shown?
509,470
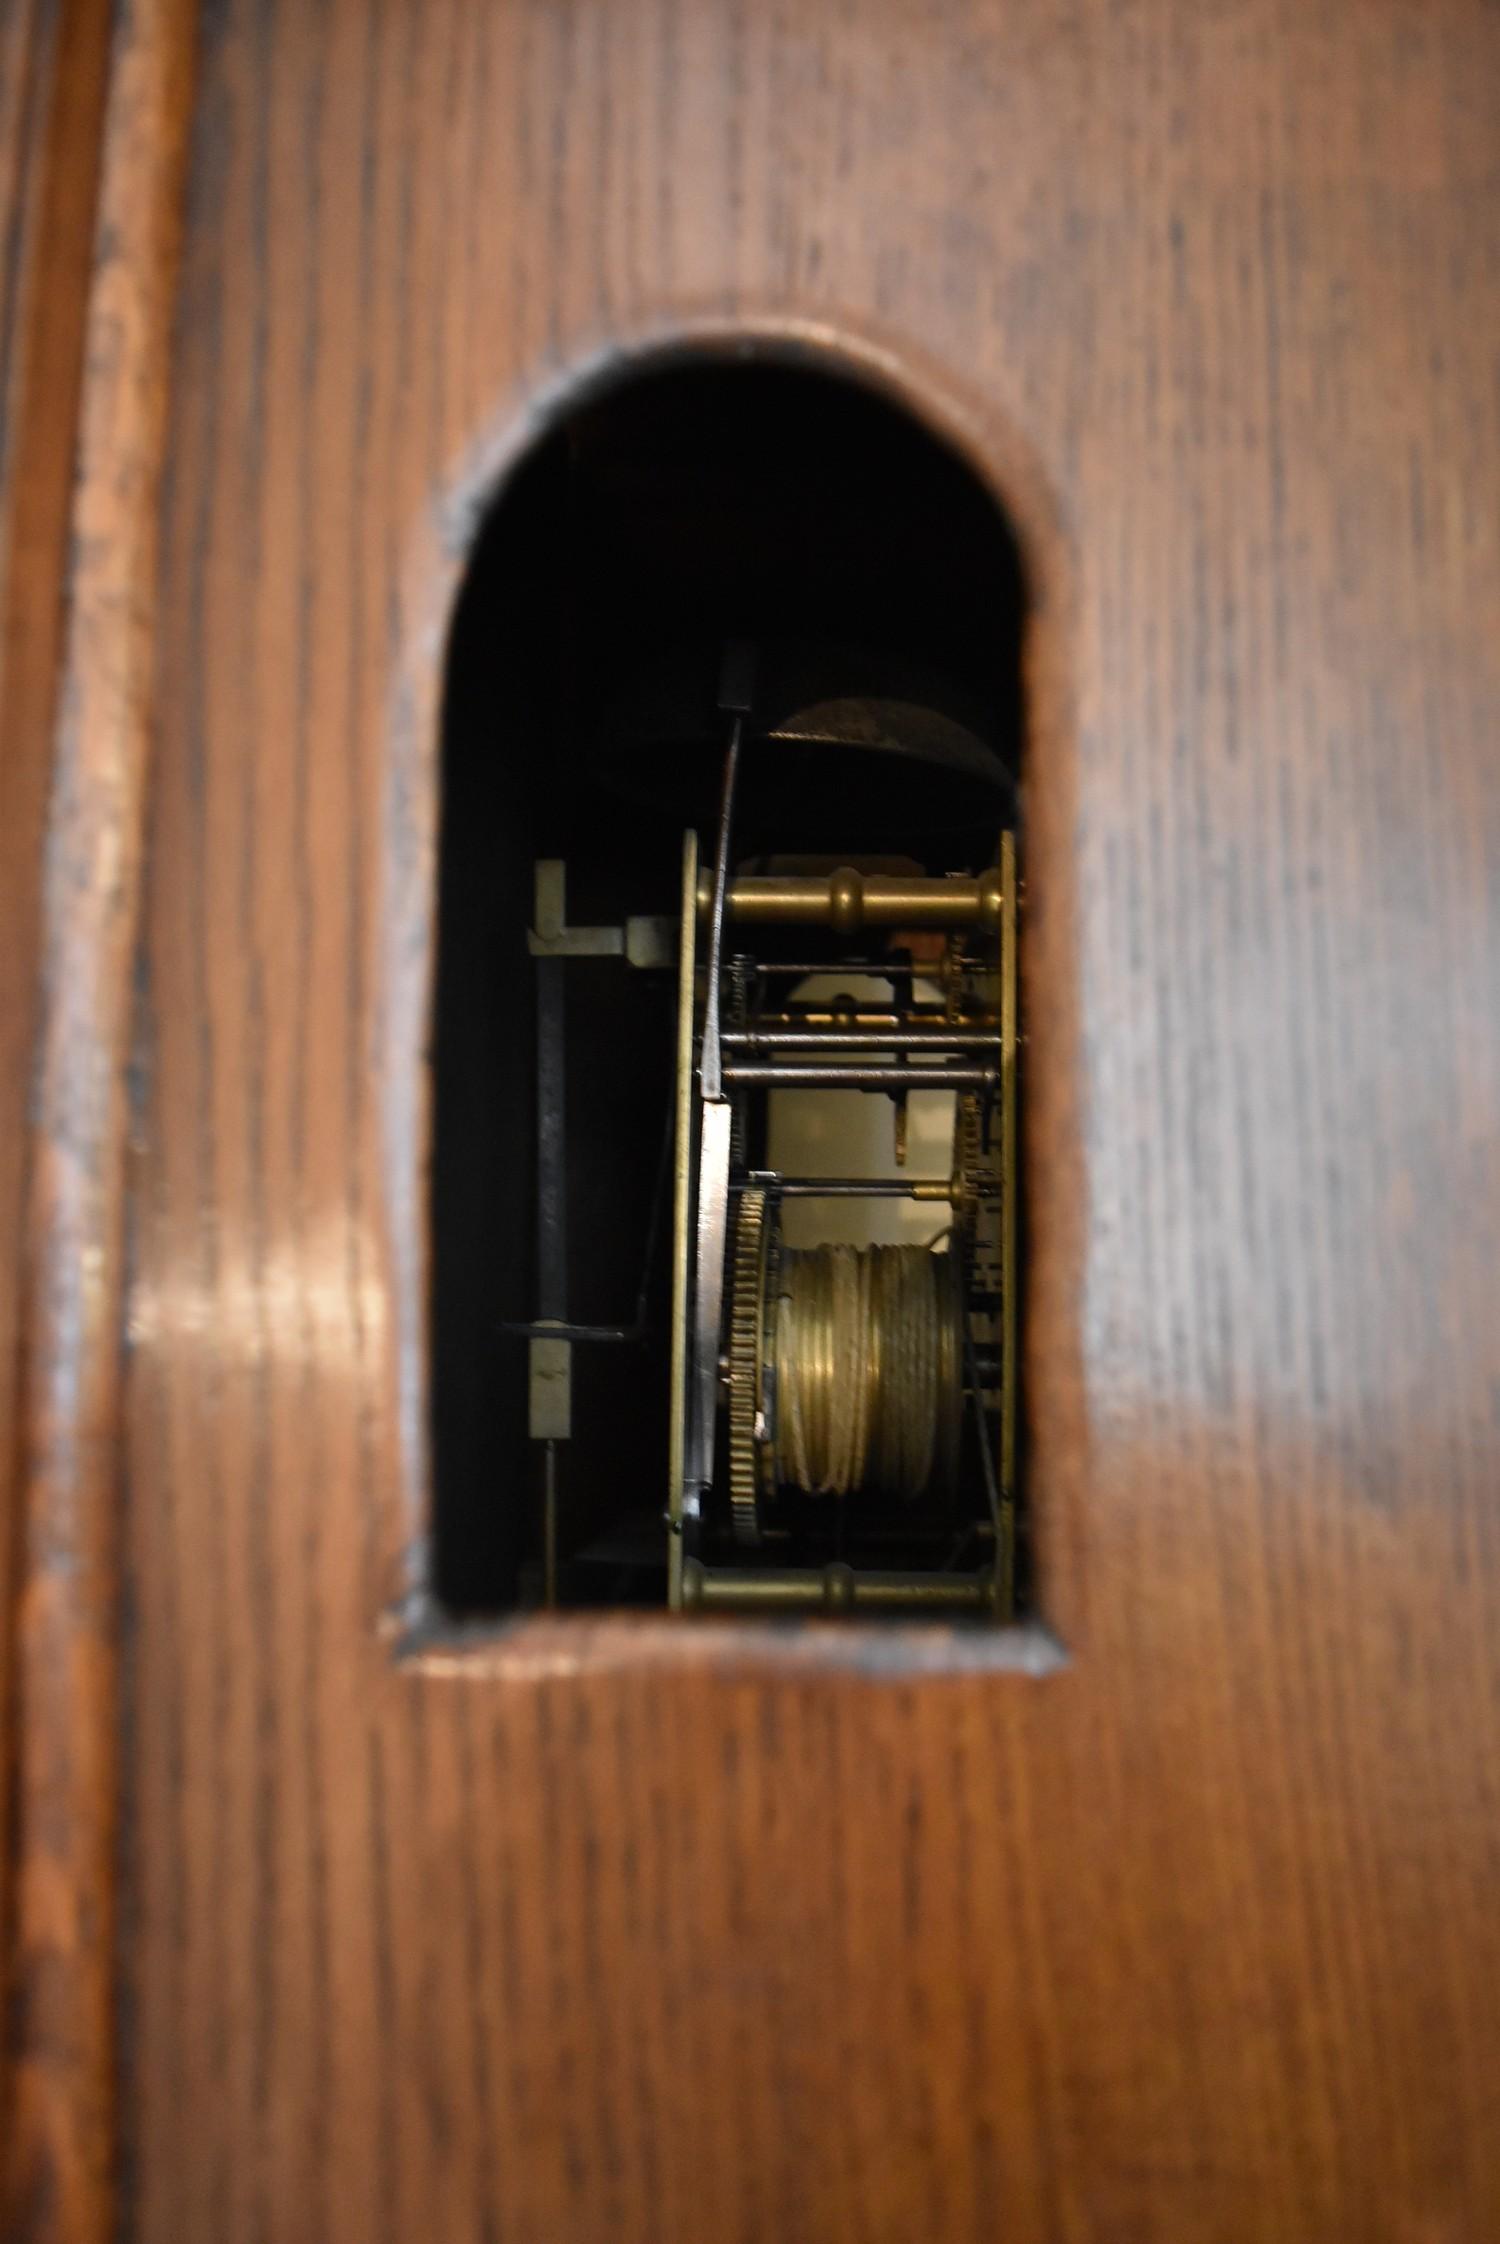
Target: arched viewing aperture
705,512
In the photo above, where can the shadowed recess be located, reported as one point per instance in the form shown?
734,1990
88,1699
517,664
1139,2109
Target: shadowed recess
703,501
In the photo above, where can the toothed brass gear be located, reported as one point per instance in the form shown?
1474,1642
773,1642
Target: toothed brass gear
968,1155
754,1258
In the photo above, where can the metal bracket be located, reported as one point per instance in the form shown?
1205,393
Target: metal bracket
552,937
650,941
551,1388
645,940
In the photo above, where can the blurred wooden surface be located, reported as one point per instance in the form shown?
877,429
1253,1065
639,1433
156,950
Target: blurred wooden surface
1196,1939
52,70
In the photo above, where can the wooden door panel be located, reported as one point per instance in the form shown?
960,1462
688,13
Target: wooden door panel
614,1930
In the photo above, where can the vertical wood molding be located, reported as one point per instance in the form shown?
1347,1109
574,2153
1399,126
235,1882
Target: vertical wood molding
53,67
60,2133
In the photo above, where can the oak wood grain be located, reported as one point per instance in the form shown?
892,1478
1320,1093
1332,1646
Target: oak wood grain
62,1763
597,1934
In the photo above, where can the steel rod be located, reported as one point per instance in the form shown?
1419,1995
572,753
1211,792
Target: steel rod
878,969
761,1038
551,1144
939,1189
682,1189
848,1188
708,1061
829,1013
767,1076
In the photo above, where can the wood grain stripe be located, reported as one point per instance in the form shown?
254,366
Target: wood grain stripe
61,2137
53,60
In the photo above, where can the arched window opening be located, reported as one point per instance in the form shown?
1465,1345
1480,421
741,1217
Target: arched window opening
725,1210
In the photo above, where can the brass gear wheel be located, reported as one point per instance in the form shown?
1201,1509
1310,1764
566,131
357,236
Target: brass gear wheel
968,1155
749,1459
